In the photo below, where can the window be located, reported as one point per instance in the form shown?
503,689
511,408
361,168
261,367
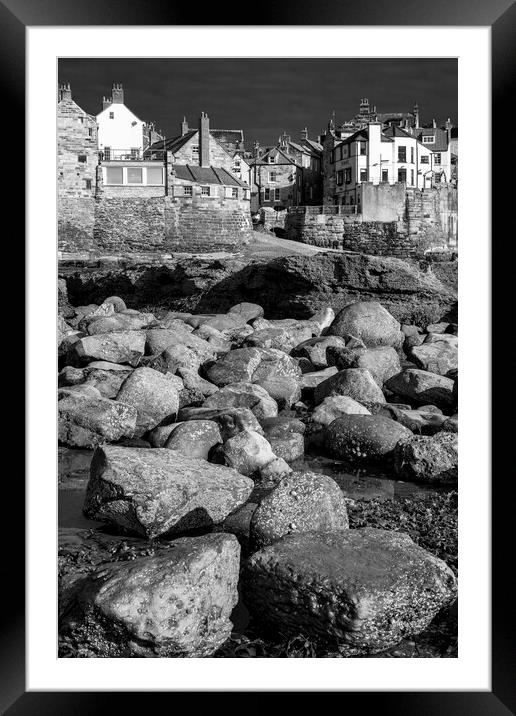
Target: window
347,175
362,147
234,193
412,156
273,176
424,159
363,175
267,195
437,158
107,153
187,190
90,132
412,177
155,175
205,190
340,178
134,175
402,175
195,149
437,178
428,139
345,151
270,160
276,194
114,175
111,115
82,158
135,153
402,154
385,175
88,183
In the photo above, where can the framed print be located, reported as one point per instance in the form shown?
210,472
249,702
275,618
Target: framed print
255,238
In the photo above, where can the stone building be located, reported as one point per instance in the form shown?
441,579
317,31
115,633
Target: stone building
76,166
175,200
289,174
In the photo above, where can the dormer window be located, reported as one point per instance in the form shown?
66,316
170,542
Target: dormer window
195,149
111,115
428,139
271,160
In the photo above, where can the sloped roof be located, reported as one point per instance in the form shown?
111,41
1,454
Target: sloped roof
231,136
315,145
172,144
207,175
441,138
394,131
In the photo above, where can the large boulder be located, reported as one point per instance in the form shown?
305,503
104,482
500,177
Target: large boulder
334,407
247,311
382,362
275,364
87,422
107,377
176,604
418,421
302,502
283,339
194,438
235,367
369,321
154,396
153,491
357,383
364,438
428,458
120,347
283,389
437,357
247,452
117,322
243,395
289,447
365,589
423,388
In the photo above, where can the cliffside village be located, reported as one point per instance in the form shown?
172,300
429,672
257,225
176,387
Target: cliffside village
116,154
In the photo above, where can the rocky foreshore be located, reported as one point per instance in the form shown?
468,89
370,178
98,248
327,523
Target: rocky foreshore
200,424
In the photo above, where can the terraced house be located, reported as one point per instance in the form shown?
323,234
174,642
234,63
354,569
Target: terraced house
388,156
289,174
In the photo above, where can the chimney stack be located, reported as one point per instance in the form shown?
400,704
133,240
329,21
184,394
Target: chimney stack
184,127
434,123
204,140
304,133
256,149
117,93
416,115
106,101
65,93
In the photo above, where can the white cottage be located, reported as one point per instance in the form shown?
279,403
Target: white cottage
120,131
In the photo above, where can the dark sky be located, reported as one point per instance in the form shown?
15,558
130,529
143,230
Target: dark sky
265,96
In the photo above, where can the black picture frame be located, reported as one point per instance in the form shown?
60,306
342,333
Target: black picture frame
500,15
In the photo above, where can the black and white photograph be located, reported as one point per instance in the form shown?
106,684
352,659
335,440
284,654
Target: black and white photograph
258,333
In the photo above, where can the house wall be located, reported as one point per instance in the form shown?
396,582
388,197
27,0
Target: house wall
76,136
420,221
285,181
125,131
217,154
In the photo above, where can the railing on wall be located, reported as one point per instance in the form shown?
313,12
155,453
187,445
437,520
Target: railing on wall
350,210
133,155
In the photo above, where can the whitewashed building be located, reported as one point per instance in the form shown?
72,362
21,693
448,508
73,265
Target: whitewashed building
387,156
120,132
